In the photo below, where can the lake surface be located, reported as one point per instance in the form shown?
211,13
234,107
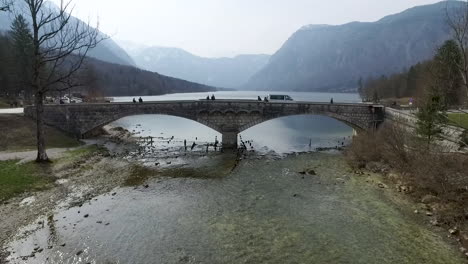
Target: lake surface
283,135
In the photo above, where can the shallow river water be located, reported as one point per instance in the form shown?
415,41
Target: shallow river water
265,210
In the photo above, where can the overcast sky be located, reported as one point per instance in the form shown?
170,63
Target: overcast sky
214,28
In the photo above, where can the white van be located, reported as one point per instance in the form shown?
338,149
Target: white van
279,97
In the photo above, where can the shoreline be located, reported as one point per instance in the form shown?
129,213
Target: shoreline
81,179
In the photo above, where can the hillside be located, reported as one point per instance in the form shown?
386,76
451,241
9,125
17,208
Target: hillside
333,58
108,50
219,72
120,80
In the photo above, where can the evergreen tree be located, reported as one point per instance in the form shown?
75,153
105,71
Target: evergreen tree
24,53
446,73
431,118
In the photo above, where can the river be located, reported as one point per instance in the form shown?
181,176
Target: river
266,210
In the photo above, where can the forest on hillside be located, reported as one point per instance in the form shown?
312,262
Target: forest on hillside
439,76
97,78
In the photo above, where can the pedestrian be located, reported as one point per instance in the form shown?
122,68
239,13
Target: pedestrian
265,99
331,101
185,144
216,143
134,101
140,100
310,143
213,97
259,98
207,97
193,146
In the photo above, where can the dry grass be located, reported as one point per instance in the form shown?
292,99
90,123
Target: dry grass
427,170
18,133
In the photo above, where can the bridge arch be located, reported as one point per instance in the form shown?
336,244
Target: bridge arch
260,119
228,117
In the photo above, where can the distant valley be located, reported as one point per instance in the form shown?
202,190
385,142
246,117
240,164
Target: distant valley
218,72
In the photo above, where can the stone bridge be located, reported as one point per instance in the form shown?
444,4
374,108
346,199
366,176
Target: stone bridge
228,117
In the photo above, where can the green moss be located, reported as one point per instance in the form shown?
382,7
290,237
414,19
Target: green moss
18,178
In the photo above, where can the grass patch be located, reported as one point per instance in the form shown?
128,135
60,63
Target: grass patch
139,175
16,179
19,133
459,119
3,104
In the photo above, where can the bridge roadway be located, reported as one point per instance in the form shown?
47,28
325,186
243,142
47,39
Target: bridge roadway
228,117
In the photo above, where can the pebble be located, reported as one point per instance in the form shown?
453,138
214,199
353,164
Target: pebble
453,231
79,252
86,215
429,214
63,245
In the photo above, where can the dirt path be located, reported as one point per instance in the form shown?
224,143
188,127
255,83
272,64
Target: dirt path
26,156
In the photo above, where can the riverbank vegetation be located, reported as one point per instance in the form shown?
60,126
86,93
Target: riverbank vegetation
17,178
458,119
439,74
429,174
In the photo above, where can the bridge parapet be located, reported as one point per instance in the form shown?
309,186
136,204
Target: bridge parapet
229,117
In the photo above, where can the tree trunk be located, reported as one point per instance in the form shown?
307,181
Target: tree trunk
41,150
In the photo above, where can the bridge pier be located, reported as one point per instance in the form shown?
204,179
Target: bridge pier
229,140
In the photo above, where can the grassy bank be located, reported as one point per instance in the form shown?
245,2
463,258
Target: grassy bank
16,179
459,119
19,133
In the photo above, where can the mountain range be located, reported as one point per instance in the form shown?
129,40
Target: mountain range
218,72
334,58
315,58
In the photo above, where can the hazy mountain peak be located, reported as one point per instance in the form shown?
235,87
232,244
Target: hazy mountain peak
179,63
321,57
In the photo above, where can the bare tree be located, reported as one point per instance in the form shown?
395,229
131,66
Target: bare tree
457,19
60,46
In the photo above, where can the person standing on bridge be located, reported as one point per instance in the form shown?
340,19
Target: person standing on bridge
213,97
185,144
259,99
140,100
331,101
134,101
207,97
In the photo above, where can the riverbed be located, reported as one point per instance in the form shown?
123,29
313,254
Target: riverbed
307,208
281,201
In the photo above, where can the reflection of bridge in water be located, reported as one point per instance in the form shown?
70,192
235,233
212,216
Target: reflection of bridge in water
228,117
